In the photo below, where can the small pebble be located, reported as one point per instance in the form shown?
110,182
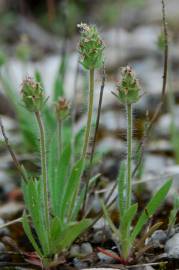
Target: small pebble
10,209
158,238
86,249
79,264
172,247
99,224
74,250
81,251
104,258
99,237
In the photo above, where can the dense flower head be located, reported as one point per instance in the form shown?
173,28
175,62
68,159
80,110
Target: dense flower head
91,46
62,108
32,95
128,88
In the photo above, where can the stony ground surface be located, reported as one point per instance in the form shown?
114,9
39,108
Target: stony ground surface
133,41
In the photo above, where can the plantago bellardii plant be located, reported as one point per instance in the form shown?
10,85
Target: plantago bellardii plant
91,49
128,93
51,199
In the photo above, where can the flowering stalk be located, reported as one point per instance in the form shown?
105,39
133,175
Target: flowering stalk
34,100
91,49
90,112
129,154
43,166
128,93
62,112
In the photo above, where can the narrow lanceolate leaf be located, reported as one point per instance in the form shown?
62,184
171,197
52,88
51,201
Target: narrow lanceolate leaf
78,205
121,189
150,209
127,218
111,224
68,235
124,230
72,189
29,234
52,161
55,231
59,181
34,200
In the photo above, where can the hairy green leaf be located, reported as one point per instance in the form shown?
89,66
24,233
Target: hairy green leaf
34,200
150,209
124,229
68,235
59,182
127,218
29,234
111,224
72,188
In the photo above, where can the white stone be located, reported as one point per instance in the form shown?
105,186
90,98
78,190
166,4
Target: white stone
10,209
172,247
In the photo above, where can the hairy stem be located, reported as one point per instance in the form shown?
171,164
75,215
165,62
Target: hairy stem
124,234
43,166
129,154
90,112
94,140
